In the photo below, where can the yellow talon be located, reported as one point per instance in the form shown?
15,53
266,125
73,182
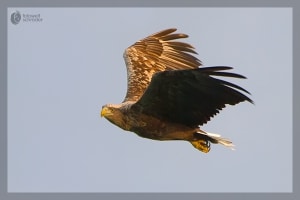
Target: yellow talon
201,145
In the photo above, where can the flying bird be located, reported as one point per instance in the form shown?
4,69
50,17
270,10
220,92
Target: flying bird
169,96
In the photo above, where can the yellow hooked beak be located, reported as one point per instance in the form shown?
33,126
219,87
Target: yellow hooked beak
105,112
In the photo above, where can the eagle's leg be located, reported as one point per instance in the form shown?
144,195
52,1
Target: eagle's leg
202,145
203,139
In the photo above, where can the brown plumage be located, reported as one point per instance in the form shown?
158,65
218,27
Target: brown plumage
169,96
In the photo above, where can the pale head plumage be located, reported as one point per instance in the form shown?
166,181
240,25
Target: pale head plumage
116,113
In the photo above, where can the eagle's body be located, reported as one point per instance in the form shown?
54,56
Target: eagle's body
169,96
151,127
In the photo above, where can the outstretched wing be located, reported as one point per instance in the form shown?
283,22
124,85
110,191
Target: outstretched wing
190,97
157,52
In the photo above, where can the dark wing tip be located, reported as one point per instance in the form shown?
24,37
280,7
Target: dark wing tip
215,71
219,71
215,68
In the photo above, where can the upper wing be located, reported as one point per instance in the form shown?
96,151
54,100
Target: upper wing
190,97
157,52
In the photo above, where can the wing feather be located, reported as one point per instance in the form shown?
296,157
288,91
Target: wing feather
155,53
190,97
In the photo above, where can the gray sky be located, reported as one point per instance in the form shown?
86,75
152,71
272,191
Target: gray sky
63,69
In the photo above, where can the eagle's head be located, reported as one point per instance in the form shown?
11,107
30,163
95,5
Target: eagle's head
110,111
114,114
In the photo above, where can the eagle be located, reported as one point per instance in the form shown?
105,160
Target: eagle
169,96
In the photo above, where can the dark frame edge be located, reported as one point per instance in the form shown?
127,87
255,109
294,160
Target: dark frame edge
132,3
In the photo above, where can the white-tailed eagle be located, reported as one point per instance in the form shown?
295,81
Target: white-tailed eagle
168,96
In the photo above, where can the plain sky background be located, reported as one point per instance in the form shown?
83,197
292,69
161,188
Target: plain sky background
63,69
